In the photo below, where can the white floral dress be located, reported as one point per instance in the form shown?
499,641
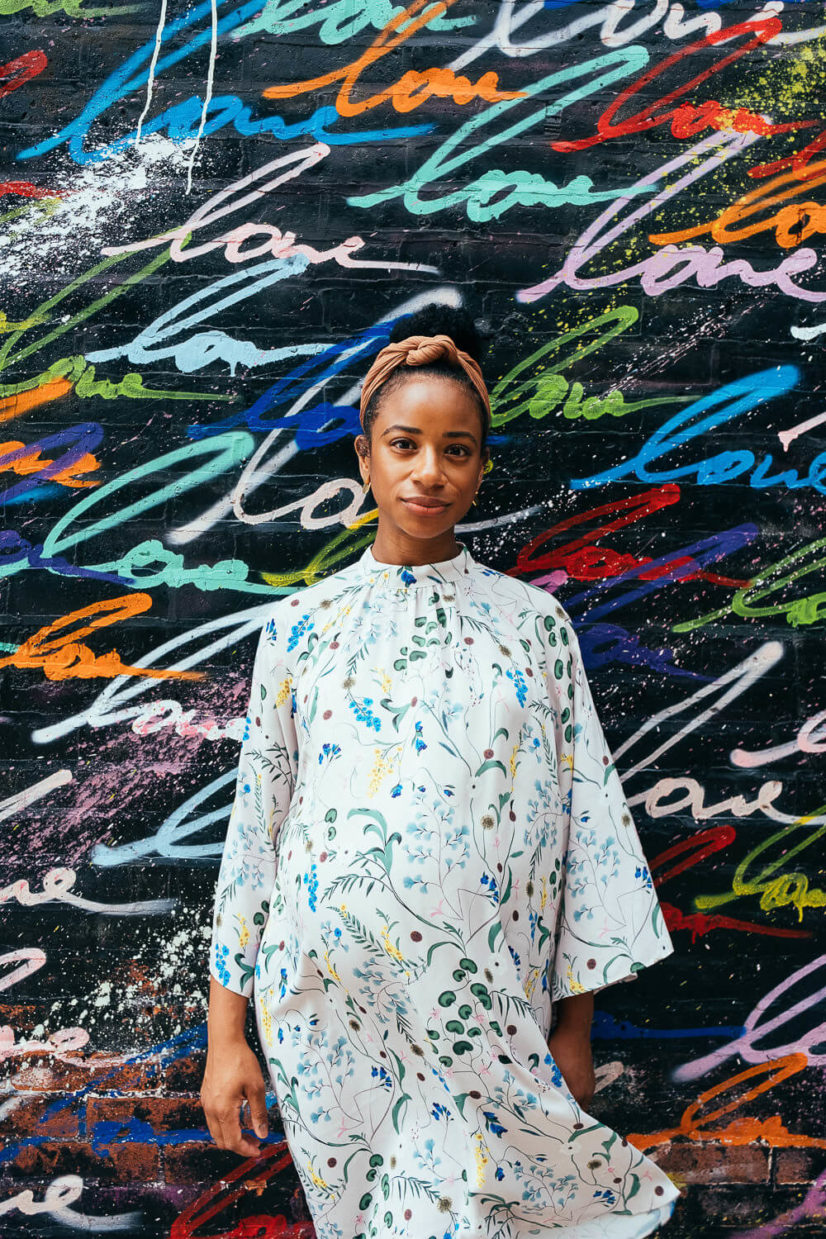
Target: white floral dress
429,846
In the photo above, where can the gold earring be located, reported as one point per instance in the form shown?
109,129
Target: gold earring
473,500
366,486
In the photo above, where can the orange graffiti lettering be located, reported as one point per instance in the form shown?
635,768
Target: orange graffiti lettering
695,1126
413,88
794,223
62,655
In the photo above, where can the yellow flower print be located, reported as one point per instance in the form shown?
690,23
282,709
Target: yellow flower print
543,895
391,950
317,1179
480,1159
244,936
283,691
381,767
575,986
568,760
513,759
266,1023
330,967
386,682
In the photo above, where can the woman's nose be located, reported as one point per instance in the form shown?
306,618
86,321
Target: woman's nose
428,467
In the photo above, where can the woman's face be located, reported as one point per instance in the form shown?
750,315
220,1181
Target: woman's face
425,445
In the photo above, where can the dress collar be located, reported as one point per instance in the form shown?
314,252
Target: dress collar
408,576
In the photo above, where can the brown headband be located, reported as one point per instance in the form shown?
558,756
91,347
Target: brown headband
420,351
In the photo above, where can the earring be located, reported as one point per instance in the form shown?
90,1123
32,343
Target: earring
473,500
365,487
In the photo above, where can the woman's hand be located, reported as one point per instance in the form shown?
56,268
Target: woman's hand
232,1077
570,1046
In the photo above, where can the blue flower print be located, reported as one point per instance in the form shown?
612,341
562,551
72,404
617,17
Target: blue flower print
493,1123
364,714
329,751
383,1076
221,953
556,1074
418,740
521,687
311,882
297,631
641,871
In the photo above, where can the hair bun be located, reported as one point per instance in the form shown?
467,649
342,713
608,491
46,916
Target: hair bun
441,320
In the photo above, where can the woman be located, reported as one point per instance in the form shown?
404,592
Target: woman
429,867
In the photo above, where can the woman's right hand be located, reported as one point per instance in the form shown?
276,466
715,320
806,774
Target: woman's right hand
233,1075
232,1078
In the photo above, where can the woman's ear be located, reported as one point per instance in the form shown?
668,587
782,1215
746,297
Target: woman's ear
362,446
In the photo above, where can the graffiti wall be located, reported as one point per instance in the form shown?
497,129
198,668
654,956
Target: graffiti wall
211,217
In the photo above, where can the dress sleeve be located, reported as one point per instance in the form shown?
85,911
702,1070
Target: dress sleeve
610,923
263,789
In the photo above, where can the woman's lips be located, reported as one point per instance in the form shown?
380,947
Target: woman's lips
427,507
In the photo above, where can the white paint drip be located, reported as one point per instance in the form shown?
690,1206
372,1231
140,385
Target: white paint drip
150,81
788,436
213,55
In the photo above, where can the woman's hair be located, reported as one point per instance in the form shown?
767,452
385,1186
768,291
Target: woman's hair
433,320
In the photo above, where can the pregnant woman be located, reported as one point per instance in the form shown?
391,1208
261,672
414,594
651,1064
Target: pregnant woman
430,867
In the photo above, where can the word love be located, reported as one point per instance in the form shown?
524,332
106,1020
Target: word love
276,243
701,418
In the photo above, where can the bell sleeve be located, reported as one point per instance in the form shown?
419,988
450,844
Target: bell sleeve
263,790
609,920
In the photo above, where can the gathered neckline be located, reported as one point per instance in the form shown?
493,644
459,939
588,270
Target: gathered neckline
408,576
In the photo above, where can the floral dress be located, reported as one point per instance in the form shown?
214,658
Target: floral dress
429,846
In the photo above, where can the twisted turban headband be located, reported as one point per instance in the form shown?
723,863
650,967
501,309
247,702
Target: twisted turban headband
421,351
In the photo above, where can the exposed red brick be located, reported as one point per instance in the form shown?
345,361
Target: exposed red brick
27,1112
184,1075
44,1073
122,1163
161,1113
715,1163
798,1165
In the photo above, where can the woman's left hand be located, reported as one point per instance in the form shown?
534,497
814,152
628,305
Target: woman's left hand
571,1051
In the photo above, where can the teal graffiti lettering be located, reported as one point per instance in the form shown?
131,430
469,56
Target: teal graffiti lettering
338,22
526,188
150,562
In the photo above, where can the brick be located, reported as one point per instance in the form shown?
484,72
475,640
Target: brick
161,1113
715,1163
798,1165
184,1075
44,1073
30,1114
123,1163
197,1163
